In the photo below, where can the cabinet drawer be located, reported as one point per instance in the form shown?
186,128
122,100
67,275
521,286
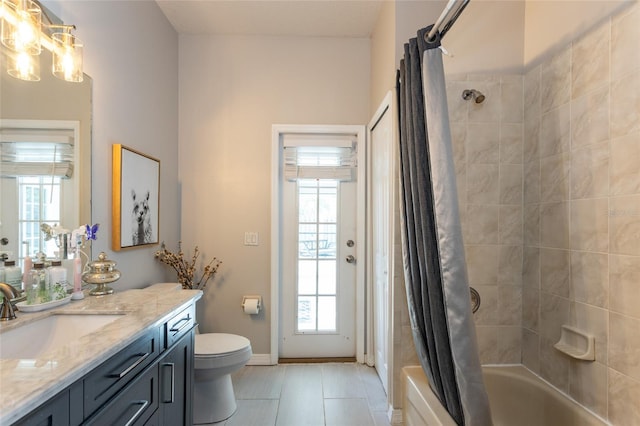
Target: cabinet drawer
179,325
112,375
135,405
55,412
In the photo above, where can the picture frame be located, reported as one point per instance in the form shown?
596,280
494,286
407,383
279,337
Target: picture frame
136,199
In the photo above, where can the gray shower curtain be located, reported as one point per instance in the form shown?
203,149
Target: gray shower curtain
433,252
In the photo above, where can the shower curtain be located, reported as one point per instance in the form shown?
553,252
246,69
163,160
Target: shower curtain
433,252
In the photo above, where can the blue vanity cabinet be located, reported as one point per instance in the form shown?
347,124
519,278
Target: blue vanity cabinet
176,370
148,383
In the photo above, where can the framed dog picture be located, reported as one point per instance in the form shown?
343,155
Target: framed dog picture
136,198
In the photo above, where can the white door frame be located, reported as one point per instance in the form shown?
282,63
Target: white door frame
278,130
385,107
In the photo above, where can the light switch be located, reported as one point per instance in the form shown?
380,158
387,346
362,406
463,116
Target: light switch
250,238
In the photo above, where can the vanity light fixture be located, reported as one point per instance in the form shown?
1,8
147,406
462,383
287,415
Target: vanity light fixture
24,33
67,55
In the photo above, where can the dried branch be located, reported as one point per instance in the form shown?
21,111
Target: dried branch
186,269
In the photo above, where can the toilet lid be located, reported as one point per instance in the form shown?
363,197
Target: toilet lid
211,344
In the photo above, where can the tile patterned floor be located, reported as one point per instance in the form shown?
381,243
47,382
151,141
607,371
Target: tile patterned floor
333,394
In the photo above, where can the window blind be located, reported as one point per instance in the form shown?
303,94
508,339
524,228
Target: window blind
318,157
36,152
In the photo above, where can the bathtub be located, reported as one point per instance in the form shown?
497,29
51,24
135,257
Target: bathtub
516,396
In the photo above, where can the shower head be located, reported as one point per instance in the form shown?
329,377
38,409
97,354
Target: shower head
473,94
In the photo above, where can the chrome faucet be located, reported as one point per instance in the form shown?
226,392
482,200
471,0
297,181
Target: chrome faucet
6,310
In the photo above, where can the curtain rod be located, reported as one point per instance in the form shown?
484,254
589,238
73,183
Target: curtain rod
445,13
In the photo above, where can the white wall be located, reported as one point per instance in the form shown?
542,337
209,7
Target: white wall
232,90
552,25
487,38
131,52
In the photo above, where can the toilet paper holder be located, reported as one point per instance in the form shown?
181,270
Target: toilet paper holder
247,298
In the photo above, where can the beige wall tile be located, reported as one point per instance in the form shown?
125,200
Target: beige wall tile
590,118
510,265
511,184
594,321
590,278
488,313
587,384
459,142
531,350
624,282
531,268
510,305
624,173
483,143
625,33
482,224
531,145
482,264
511,100
625,105
531,182
531,227
554,365
624,394
554,313
589,224
487,344
554,225
624,225
590,172
483,183
511,143
624,345
590,61
555,131
531,84
555,81
531,309
511,225
555,178
509,345
555,271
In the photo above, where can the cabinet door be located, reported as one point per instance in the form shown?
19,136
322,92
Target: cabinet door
176,382
55,412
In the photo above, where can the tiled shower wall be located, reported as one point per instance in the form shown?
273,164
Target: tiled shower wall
488,148
581,258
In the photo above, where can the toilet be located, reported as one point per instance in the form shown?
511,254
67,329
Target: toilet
217,355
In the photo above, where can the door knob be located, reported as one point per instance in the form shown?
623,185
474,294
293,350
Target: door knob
350,259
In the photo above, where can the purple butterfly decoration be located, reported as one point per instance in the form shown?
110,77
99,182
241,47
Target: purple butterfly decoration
92,231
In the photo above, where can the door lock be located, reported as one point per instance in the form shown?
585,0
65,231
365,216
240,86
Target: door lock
350,243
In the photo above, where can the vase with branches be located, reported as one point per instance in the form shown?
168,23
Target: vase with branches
186,268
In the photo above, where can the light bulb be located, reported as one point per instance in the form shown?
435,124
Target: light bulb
68,65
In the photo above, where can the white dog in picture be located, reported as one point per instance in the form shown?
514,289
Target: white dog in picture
140,220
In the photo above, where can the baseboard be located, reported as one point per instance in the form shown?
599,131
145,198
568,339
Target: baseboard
395,416
260,359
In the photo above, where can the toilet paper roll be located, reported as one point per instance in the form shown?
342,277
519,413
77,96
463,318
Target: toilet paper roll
251,306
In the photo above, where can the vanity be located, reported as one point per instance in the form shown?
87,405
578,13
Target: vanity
126,358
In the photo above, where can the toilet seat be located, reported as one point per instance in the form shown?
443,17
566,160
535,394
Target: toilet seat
219,344
220,350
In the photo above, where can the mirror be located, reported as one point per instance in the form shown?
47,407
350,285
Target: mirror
62,108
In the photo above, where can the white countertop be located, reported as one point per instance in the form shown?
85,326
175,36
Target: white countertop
26,384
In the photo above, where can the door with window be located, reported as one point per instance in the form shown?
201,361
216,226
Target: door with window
319,192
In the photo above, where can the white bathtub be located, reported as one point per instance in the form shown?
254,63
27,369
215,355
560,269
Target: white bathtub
516,396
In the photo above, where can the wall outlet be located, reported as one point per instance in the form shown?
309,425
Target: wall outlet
250,238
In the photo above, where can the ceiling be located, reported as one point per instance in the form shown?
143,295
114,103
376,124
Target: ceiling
312,18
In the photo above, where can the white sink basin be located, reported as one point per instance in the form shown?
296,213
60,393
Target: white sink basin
31,340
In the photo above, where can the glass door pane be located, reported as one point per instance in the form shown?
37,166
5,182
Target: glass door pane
316,290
